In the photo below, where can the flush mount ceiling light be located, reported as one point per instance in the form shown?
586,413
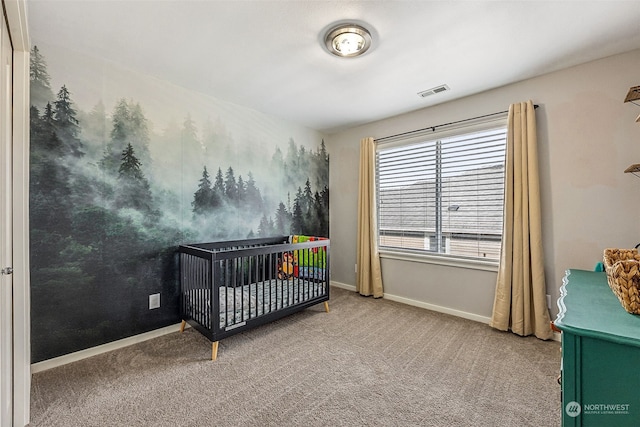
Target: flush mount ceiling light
348,40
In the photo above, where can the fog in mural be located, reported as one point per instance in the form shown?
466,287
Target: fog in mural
113,193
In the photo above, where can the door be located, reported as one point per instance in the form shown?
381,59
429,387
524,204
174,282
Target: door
6,240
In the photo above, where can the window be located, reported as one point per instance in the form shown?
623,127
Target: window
443,193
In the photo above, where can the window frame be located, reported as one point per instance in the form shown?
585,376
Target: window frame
498,121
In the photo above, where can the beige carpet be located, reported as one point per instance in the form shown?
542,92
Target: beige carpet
367,363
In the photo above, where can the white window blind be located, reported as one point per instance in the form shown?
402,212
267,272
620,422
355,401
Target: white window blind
443,195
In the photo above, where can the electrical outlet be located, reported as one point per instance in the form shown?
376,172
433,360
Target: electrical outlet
154,301
549,301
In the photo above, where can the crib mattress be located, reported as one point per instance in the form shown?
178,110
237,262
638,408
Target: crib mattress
242,303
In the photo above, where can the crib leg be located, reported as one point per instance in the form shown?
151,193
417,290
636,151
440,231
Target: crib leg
182,325
326,306
214,350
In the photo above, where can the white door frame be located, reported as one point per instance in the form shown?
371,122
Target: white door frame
16,13
6,226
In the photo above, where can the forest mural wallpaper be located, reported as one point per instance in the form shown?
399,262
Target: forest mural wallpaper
114,191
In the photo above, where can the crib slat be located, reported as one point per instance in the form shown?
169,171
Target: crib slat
225,279
263,273
240,283
234,283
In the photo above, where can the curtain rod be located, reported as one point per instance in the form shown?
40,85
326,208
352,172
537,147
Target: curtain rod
433,128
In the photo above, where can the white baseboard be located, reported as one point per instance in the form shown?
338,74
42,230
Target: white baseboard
421,304
343,286
94,351
438,308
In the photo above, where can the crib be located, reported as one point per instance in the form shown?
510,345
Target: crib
231,286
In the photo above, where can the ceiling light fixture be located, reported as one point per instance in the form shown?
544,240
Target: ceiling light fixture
348,40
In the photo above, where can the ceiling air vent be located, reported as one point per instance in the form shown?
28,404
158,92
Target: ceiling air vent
433,91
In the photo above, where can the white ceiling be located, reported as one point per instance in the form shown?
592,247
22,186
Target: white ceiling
269,56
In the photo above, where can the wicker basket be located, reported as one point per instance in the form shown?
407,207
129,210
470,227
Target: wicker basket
623,275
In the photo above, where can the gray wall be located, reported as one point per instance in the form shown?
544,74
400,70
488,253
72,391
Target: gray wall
587,137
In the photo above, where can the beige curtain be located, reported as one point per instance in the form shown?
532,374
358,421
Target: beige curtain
520,301
369,274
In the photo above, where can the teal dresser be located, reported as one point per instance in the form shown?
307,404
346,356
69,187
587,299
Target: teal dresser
600,354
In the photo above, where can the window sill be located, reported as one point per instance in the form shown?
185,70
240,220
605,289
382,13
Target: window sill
440,260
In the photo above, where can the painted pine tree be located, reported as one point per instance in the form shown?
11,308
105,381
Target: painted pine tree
66,122
205,198
129,127
230,187
283,219
253,198
133,191
40,82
